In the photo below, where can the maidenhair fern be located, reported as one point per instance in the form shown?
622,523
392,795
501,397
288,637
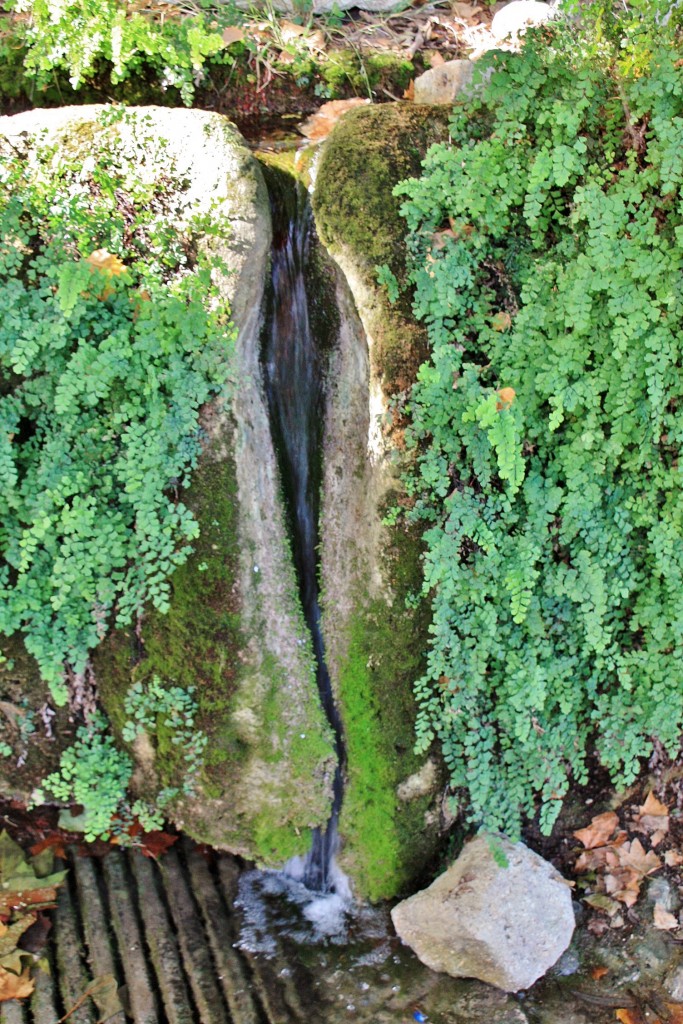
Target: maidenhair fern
112,337
547,248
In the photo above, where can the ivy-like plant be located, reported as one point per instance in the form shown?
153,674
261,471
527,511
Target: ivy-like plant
547,248
111,339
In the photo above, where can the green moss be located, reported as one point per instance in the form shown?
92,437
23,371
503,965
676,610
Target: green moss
197,643
200,643
364,73
369,152
279,844
385,842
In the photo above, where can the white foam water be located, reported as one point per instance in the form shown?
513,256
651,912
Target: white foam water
274,904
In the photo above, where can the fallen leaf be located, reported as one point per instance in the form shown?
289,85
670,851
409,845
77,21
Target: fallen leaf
15,986
663,919
289,30
633,855
154,844
675,1013
314,40
653,816
104,991
9,954
599,901
599,972
232,34
106,263
672,858
502,322
656,838
438,239
598,926
506,398
409,93
654,806
434,57
629,1016
320,125
599,831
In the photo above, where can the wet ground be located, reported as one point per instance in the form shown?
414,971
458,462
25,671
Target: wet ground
196,939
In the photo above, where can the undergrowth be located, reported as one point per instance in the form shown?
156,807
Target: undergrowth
547,247
112,337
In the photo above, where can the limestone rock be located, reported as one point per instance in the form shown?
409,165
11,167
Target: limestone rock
234,629
503,925
373,643
514,19
443,83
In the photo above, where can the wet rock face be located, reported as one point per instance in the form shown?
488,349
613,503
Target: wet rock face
503,925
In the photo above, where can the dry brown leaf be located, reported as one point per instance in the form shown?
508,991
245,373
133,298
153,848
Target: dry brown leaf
633,855
15,986
438,239
507,397
232,34
320,125
674,1013
654,806
599,972
290,31
107,263
599,831
592,860
653,816
465,11
409,93
629,897
315,40
104,260
656,838
663,919
502,322
629,1016
598,926
434,57
672,858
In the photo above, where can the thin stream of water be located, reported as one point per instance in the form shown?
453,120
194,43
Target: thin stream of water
294,388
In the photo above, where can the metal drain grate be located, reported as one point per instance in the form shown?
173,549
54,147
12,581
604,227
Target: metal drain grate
166,932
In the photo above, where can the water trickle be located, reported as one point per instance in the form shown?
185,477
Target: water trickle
293,374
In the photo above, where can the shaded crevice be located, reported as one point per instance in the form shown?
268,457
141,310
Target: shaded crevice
293,364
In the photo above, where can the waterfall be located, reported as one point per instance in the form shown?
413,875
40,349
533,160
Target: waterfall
293,375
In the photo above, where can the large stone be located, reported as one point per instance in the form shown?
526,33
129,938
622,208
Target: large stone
374,644
503,925
515,18
234,631
443,83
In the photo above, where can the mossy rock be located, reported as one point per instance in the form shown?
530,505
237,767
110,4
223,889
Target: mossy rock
234,630
390,819
357,217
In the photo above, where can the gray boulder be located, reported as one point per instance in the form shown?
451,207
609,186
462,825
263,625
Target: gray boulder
443,83
503,925
516,17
